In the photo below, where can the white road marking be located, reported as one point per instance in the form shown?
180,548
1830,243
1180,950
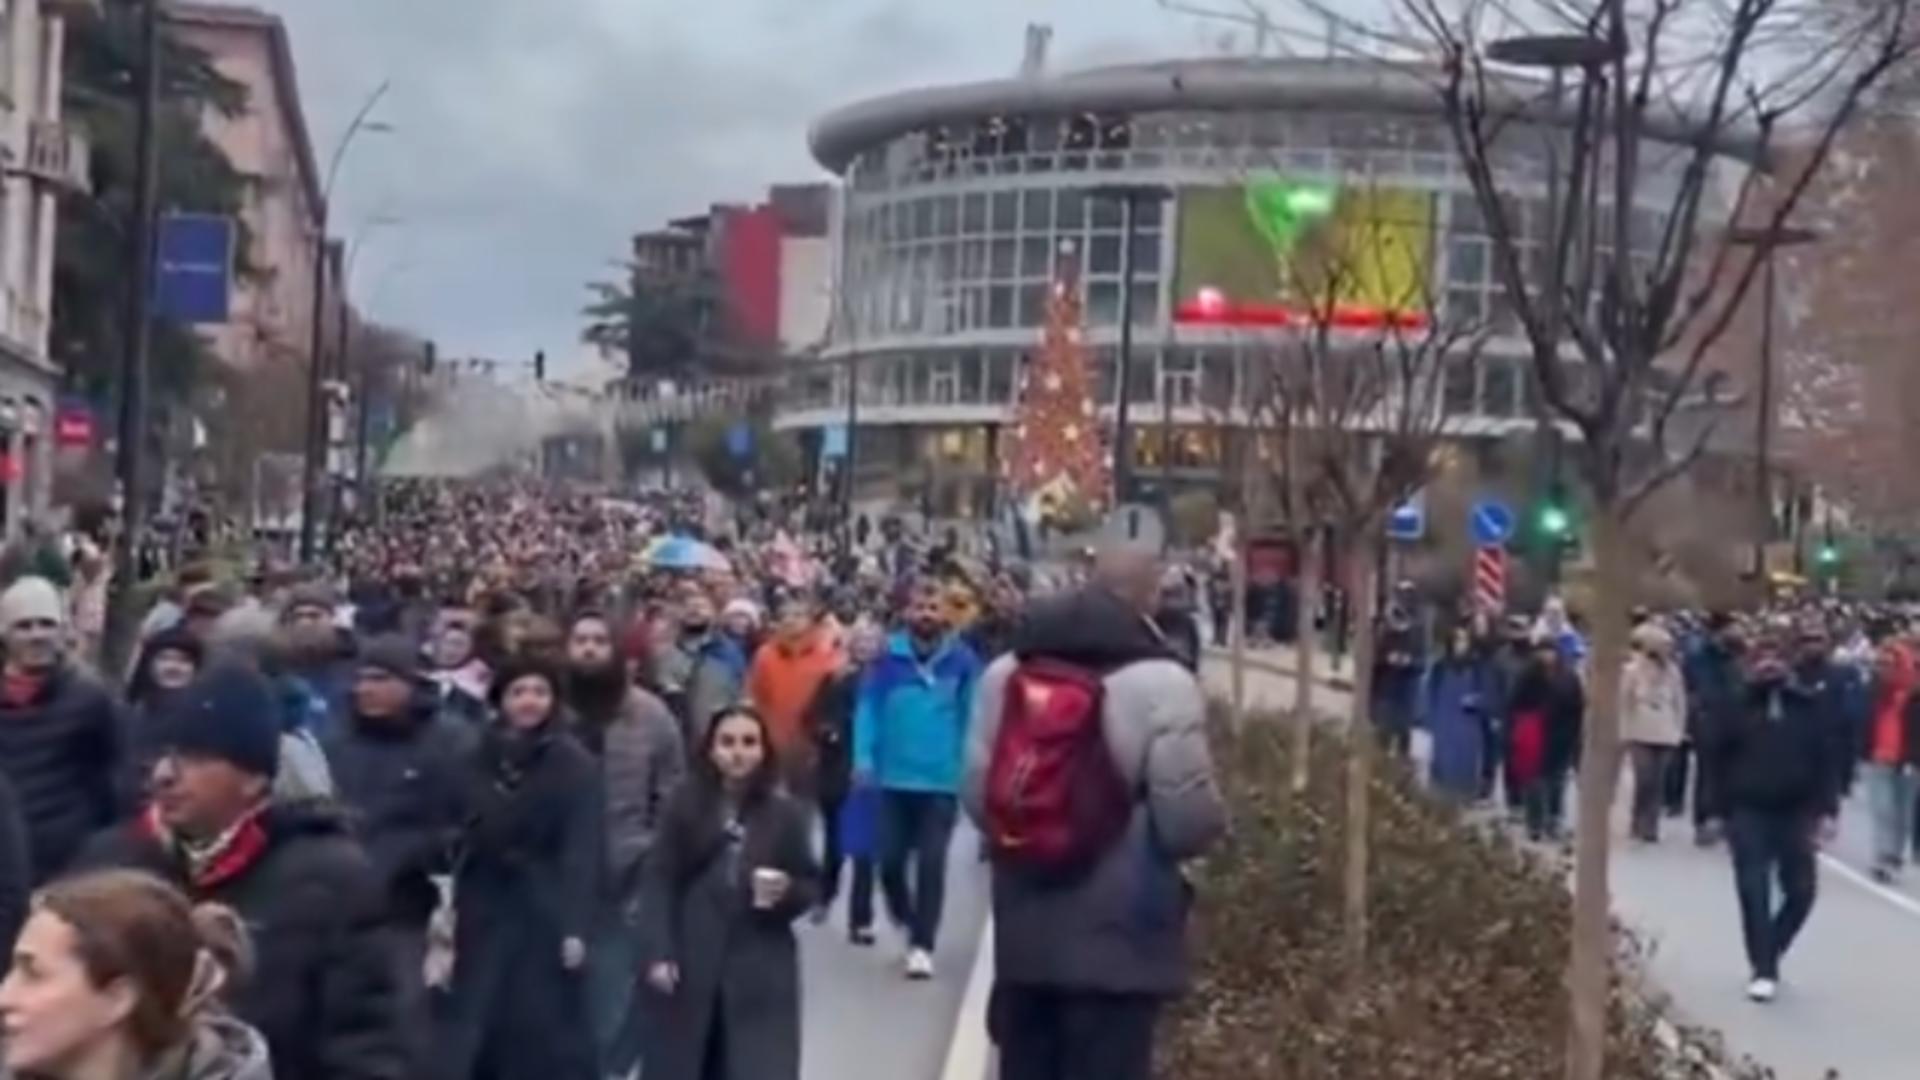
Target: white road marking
970,1055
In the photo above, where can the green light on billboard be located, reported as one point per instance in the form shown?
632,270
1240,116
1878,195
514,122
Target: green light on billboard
1311,200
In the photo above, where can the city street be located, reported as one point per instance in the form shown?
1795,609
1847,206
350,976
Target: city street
1849,982
861,1018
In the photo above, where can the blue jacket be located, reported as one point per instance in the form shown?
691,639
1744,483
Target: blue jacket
910,723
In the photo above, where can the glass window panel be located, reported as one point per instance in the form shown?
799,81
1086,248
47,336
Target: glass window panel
1104,258
1002,262
1036,256
1106,212
922,218
1000,307
1103,304
1143,377
1465,217
1146,254
973,260
1006,211
999,367
970,377
973,213
1216,380
1037,209
1146,303
1467,305
1149,212
1043,134
1073,210
1150,132
945,208
945,268
1466,262
1033,304
1500,392
1103,377
1457,392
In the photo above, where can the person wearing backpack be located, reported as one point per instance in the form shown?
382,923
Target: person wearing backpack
1088,770
909,734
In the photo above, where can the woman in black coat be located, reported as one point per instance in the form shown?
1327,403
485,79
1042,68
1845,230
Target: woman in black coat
830,719
731,870
523,891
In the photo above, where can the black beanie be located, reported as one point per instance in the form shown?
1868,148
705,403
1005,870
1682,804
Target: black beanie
392,654
229,712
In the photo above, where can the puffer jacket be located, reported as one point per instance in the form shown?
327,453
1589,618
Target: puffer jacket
1653,702
1122,927
642,759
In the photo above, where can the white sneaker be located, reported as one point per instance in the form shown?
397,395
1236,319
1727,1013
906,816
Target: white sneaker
1762,990
919,965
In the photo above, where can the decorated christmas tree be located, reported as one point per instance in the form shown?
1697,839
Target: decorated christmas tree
1055,458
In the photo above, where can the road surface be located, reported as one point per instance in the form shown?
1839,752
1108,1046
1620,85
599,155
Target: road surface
1851,985
860,1016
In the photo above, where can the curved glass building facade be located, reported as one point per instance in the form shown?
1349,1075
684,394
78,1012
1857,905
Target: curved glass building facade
957,201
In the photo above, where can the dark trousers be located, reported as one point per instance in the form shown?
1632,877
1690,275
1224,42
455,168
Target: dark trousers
916,827
1544,801
1651,764
1769,846
860,904
1052,1034
1674,799
1706,788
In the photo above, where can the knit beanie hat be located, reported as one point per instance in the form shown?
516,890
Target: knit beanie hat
229,713
31,598
392,654
310,595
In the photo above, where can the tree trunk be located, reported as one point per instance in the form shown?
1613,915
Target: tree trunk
1303,644
1238,588
1360,753
1590,966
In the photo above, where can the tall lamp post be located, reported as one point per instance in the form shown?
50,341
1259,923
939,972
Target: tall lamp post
310,479
1768,241
1130,197
136,344
1556,54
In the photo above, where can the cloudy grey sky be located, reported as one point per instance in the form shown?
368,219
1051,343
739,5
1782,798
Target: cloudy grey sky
533,136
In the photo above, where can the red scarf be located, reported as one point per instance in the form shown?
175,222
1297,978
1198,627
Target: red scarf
230,855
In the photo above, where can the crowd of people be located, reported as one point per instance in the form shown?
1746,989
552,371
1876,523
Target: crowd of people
496,796
1755,725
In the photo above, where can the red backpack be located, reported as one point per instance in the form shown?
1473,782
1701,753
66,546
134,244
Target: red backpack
1055,802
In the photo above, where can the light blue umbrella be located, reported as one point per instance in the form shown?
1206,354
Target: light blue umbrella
685,553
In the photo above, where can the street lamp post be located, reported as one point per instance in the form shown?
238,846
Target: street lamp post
136,344
1768,241
1130,196
310,480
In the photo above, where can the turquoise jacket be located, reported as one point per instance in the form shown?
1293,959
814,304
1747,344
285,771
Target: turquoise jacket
910,722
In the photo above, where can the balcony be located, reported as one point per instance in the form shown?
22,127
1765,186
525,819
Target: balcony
57,156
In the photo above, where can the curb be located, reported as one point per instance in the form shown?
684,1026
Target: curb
970,1054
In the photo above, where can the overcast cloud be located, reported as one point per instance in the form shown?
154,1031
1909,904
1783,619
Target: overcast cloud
532,137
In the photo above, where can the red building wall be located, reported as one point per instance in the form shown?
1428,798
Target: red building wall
750,275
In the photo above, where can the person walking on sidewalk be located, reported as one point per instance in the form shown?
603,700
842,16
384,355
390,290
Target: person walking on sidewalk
1777,798
1889,753
909,735
830,718
1087,959
1653,719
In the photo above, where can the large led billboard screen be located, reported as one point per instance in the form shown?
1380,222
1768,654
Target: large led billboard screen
1279,251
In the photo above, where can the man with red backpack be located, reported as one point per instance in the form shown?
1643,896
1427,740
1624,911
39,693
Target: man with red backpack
1089,772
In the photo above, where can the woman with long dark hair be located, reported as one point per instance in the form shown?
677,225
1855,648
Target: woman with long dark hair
731,870
527,867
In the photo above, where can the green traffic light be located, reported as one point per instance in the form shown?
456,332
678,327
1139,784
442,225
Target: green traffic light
1554,520
1828,555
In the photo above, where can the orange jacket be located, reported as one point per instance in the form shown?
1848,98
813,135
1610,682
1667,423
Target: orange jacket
782,682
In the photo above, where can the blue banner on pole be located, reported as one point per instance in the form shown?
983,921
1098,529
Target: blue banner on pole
194,280
1408,521
833,442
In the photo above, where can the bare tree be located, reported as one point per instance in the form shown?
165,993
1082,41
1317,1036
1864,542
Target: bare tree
1356,390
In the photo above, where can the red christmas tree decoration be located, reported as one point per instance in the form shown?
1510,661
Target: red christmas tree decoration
1056,459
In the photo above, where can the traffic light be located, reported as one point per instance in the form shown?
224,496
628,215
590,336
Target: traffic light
540,366
1828,557
429,358
1555,522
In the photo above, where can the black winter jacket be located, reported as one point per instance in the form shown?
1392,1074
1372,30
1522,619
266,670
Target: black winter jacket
323,990
1777,750
63,754
401,783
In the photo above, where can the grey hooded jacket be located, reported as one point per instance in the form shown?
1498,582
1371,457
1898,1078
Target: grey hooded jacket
1122,928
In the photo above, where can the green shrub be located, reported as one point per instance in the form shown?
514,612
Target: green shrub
1467,960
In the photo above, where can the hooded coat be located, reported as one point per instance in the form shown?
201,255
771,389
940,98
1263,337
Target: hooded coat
1122,927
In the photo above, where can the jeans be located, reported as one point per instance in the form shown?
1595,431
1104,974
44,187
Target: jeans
1769,845
1651,764
1046,1033
916,826
1890,798
860,904
1675,800
614,1002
